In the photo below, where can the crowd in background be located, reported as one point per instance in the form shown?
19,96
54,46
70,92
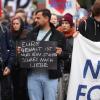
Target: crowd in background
14,85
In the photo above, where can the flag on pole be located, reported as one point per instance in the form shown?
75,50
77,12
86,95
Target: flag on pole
84,83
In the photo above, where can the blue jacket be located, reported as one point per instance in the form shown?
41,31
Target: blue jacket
7,47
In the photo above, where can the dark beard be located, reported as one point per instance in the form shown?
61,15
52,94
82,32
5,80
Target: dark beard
35,25
38,26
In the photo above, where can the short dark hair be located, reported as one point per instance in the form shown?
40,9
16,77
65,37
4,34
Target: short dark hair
45,12
20,10
96,8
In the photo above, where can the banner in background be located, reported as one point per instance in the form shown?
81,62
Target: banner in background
27,5
84,83
60,7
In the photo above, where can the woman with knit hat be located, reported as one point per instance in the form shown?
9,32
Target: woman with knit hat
67,27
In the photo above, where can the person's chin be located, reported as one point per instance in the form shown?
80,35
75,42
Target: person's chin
16,30
40,27
37,26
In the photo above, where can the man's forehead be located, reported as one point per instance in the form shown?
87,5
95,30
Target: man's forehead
39,13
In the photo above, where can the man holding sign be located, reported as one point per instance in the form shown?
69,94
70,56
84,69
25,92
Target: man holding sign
43,83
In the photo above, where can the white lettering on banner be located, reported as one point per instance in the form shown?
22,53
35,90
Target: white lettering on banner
36,54
35,65
84,83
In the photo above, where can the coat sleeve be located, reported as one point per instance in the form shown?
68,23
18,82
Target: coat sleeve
11,51
62,44
82,28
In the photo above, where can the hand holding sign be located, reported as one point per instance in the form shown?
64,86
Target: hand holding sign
58,51
18,50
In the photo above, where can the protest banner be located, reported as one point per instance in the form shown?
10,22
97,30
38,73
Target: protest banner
37,54
84,83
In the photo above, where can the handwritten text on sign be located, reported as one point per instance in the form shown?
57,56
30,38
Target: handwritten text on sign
38,54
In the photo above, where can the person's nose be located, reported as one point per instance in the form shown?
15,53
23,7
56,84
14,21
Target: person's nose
35,20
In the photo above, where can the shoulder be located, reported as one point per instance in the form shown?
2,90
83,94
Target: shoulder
60,29
86,22
4,31
25,31
32,34
57,35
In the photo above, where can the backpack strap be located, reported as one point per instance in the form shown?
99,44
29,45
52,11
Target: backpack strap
46,35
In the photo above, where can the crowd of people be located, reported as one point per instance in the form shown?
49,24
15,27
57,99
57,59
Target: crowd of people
18,83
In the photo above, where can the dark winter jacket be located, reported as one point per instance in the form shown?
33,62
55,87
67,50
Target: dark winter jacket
61,42
90,29
17,36
7,47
